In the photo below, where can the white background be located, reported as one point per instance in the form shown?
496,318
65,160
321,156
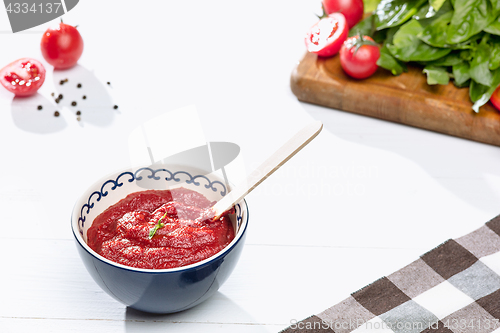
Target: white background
365,198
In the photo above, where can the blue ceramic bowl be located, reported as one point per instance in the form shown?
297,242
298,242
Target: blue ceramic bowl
156,290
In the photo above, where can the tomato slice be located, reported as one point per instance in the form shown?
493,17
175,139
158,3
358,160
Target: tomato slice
326,37
495,98
23,77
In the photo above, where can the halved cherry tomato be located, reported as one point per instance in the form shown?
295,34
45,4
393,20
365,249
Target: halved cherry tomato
23,77
62,46
495,98
326,37
358,57
352,9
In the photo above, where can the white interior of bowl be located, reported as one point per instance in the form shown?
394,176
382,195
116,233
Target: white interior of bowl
114,187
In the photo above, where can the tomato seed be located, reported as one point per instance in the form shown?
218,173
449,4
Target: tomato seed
40,107
78,118
56,114
52,94
57,100
73,103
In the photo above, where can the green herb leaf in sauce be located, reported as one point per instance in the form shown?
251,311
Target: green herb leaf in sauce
157,226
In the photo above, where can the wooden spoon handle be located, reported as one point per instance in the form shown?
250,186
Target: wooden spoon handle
273,163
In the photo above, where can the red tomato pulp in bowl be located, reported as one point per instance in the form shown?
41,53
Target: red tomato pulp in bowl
121,233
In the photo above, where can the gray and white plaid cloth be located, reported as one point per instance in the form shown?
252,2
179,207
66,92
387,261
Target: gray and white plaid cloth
454,288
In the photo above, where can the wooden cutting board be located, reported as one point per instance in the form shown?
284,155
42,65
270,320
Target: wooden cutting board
405,99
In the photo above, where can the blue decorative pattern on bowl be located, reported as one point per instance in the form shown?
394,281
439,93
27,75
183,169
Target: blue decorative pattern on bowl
157,290
136,177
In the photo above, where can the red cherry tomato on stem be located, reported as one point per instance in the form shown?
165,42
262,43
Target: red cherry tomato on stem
62,46
23,77
326,37
495,98
358,57
352,9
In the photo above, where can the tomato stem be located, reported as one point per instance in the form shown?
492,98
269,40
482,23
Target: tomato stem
362,41
324,14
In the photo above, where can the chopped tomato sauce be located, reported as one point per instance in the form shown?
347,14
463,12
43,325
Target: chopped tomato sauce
122,232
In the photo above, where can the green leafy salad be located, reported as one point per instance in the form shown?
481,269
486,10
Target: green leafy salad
450,39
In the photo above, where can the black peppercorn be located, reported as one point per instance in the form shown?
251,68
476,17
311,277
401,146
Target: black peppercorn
39,107
56,114
73,103
115,107
78,113
60,96
79,85
84,97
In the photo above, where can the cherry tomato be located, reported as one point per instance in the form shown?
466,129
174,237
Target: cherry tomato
358,57
62,46
352,9
23,77
495,98
325,38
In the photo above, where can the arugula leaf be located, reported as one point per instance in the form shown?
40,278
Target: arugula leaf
435,34
466,55
496,7
388,62
494,56
476,90
451,59
391,13
364,27
436,4
406,46
485,97
470,17
426,11
390,34
461,74
494,27
436,75
370,5
381,36
479,66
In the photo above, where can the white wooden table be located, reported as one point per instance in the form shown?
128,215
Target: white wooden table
362,200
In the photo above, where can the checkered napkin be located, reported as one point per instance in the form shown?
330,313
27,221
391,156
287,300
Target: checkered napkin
453,288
